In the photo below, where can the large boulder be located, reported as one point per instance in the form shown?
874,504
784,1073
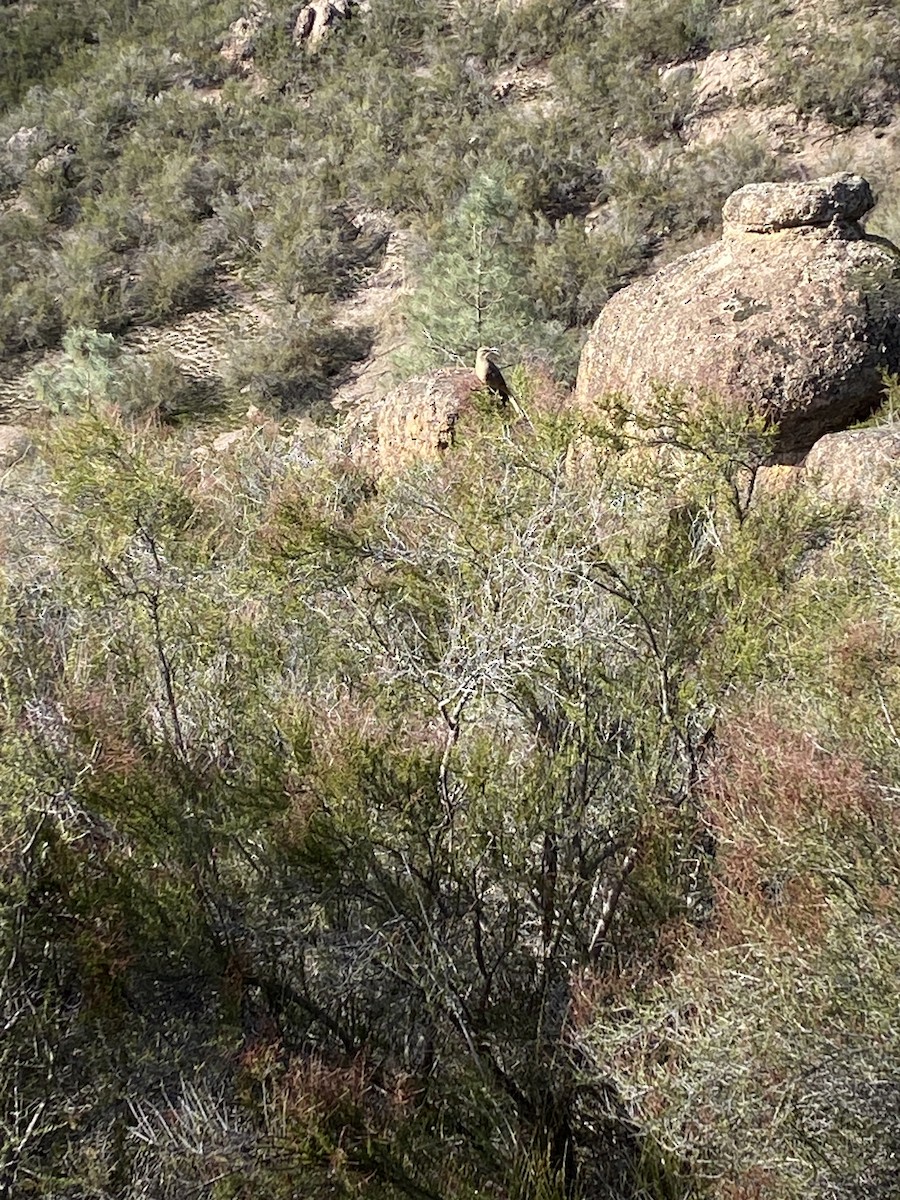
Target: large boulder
414,421
794,314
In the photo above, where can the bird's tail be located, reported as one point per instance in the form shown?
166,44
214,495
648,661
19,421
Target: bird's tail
519,409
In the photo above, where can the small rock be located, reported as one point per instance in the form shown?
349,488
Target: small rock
239,43
770,207
60,159
15,445
226,442
416,420
677,77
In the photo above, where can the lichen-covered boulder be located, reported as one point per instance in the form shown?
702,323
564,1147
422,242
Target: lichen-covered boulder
858,465
771,207
415,420
794,315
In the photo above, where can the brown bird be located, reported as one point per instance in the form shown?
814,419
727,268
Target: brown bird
490,374
492,377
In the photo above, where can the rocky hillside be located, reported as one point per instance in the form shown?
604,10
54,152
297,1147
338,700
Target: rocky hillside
422,784
298,204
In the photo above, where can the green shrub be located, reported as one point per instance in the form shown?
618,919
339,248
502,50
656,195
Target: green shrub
475,288
48,191
412,770
846,69
156,385
664,30
91,279
35,41
575,271
452,740
85,378
312,249
494,828
170,279
295,365
29,316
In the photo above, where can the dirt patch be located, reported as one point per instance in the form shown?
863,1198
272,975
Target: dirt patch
200,343
374,306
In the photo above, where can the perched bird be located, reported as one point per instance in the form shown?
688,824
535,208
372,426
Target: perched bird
490,374
492,377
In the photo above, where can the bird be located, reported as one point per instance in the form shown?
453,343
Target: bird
490,373
492,377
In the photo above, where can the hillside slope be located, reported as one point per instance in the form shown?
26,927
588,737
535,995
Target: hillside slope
169,161
517,822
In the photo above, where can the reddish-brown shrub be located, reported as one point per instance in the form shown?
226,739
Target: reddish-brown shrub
776,800
755,1184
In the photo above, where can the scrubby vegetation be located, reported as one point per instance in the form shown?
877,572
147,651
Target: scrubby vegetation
524,825
144,167
147,168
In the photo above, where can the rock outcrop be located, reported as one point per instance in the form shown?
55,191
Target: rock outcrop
416,420
239,44
18,144
773,207
856,465
794,314
316,20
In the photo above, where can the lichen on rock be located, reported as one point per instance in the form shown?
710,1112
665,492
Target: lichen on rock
771,207
416,420
857,465
794,315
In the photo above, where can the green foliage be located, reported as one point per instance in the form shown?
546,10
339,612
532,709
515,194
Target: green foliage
36,41
93,374
171,280
799,927
491,830
157,385
662,30
93,285
475,288
296,367
410,774
85,377
845,67
312,249
29,316
574,272
608,72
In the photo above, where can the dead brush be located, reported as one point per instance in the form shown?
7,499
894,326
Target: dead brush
754,1184
767,775
342,1098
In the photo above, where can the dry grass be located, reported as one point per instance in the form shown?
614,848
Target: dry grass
767,1055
